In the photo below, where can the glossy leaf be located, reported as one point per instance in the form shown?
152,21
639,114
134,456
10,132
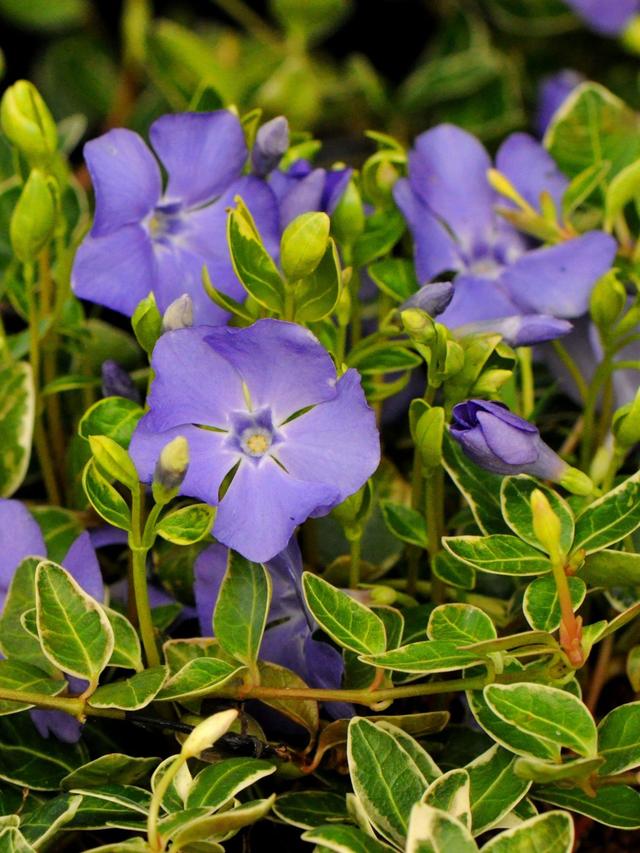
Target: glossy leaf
19,675
114,417
252,263
104,498
423,657
460,623
219,783
498,554
541,605
405,523
17,404
480,489
344,839
494,787
309,809
515,498
610,518
133,693
187,525
199,677
619,739
450,793
552,832
613,805
432,830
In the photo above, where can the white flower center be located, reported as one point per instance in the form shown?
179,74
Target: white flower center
255,441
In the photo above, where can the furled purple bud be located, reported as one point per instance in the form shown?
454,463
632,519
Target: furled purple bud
179,315
116,382
272,141
432,298
520,330
504,443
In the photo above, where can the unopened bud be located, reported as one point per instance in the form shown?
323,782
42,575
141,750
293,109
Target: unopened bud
272,141
429,432
608,299
116,382
303,244
171,469
348,219
631,35
626,423
179,315
147,323
546,525
432,298
576,482
27,122
384,595
208,732
33,218
418,324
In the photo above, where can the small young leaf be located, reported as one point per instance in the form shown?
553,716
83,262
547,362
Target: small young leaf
252,263
396,277
17,402
221,826
199,677
75,633
133,693
515,498
106,501
545,772
114,417
126,643
463,624
541,605
317,294
348,622
113,460
187,525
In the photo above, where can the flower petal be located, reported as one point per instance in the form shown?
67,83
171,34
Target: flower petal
283,365
193,384
435,249
530,169
448,171
180,271
209,459
116,271
476,299
512,445
20,537
65,727
558,280
608,17
262,508
82,564
552,92
522,330
336,442
126,179
208,573
202,153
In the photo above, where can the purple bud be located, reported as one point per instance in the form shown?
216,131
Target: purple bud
272,140
520,330
551,94
503,443
432,298
116,382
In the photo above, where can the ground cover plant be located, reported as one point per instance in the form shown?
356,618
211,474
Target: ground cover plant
319,483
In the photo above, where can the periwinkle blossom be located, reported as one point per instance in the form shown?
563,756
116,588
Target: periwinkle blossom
502,442
451,211
288,639
609,17
149,238
21,537
264,402
552,93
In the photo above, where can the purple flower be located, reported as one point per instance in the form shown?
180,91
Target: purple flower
301,189
503,443
145,238
450,208
609,17
552,93
21,537
116,382
288,639
272,141
265,402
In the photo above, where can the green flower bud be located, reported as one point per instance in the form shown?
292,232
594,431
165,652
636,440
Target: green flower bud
170,469
429,431
608,299
303,244
208,732
27,122
576,482
384,595
490,382
626,423
348,219
631,35
454,359
546,525
34,217
147,323
418,325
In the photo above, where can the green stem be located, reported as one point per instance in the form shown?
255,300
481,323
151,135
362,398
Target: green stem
570,626
139,551
289,304
600,375
355,548
414,552
252,22
74,705
527,403
434,511
572,367
153,836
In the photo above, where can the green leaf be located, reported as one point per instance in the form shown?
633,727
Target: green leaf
13,841
405,523
110,804
545,712
133,693
348,622
613,805
382,231
396,277
221,826
545,772
342,838
423,657
450,793
19,675
114,417
199,677
304,712
592,127
541,604
17,404
15,641
106,501
126,643
611,569
433,831
494,787
480,489
113,460
317,294
498,554
60,528
146,323
39,827
241,609
41,15
219,783
30,761
252,263
106,769
552,832
383,358
619,739
384,776
309,809
463,624
187,525
515,497
582,186
418,754
75,633
610,518
454,571
624,187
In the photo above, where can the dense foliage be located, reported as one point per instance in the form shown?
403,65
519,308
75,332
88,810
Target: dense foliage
319,486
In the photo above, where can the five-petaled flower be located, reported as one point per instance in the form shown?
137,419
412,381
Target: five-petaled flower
450,208
264,403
